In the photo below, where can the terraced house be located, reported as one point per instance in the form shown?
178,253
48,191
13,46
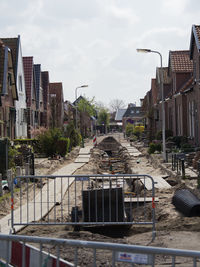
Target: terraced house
182,95
8,93
20,105
193,94
29,73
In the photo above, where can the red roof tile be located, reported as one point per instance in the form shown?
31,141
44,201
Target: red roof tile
180,61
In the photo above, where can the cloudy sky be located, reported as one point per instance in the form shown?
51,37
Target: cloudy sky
94,41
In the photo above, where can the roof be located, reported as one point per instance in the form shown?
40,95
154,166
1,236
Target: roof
13,44
180,61
37,69
133,112
195,39
78,100
187,86
68,103
29,78
45,87
6,65
119,114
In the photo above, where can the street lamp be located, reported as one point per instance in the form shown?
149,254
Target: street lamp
82,86
162,93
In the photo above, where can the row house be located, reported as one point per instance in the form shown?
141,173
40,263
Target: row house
175,78
69,112
182,93
39,94
180,70
27,98
8,93
46,105
37,90
29,73
193,95
56,103
20,104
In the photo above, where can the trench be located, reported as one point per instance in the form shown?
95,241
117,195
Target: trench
112,158
109,157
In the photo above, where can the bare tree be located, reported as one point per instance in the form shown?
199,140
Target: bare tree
116,104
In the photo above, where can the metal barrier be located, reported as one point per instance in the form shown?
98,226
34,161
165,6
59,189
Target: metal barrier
87,253
84,200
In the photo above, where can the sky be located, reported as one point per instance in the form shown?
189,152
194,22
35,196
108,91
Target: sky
94,42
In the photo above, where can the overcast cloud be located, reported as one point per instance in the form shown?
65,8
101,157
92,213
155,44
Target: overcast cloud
94,41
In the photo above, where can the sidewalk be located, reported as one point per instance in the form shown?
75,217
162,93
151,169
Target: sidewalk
69,169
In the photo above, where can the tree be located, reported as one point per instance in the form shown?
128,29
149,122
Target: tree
104,118
86,109
88,106
116,104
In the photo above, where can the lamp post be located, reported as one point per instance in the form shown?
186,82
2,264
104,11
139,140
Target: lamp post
162,94
82,86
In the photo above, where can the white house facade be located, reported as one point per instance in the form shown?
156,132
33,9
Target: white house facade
20,104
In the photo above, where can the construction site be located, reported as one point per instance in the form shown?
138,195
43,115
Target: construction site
113,192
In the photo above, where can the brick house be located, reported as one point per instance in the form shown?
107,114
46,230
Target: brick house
69,112
152,105
21,112
133,115
8,93
39,94
46,105
56,105
193,95
180,70
85,122
29,73
158,104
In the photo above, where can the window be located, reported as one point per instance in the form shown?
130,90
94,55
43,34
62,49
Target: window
52,95
20,83
191,118
179,120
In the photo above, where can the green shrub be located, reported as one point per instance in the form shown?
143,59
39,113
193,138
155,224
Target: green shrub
62,146
179,140
158,147
133,138
129,129
187,147
153,147
47,142
73,135
168,133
